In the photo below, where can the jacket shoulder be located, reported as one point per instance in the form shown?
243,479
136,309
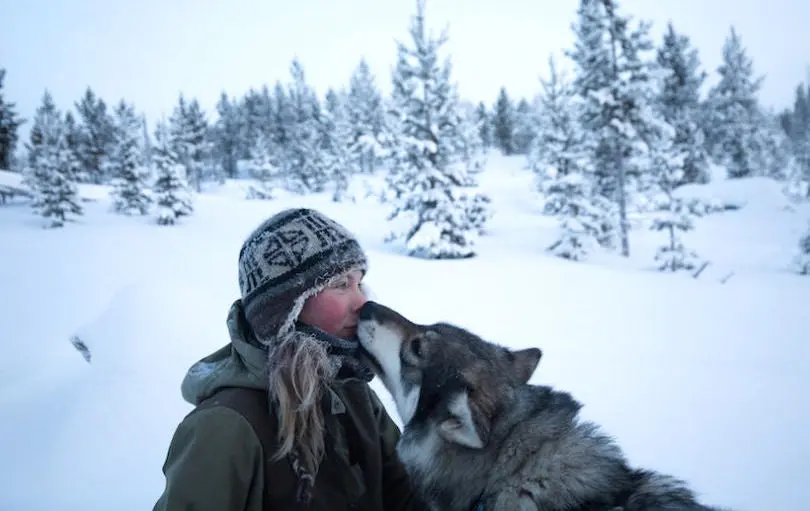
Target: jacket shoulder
223,442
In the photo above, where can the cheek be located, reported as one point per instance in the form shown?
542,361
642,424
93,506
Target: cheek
327,312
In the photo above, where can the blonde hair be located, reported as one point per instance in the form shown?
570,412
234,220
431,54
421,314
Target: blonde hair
297,378
299,370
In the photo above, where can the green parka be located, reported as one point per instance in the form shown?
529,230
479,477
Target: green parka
219,456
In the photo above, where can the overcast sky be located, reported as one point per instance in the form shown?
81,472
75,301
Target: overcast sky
148,51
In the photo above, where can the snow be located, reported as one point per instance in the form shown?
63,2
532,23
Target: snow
753,192
10,179
698,378
87,192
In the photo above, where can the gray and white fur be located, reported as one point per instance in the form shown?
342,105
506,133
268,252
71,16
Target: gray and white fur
476,433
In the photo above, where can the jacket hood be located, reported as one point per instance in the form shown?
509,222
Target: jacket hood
237,364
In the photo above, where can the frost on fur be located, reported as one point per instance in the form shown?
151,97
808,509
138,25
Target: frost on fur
171,189
802,259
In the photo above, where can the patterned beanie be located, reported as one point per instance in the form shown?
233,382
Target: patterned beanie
285,260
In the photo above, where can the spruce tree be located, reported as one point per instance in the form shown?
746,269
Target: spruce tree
305,162
228,134
672,215
559,157
523,128
126,166
171,190
503,123
469,142
9,126
734,112
265,167
188,127
96,132
616,83
484,125
73,140
284,116
797,127
252,114
440,212
50,168
343,152
680,102
365,111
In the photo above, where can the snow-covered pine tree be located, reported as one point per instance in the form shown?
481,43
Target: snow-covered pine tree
365,110
95,135
264,167
469,142
775,155
190,140
9,126
795,123
680,102
560,158
802,258
801,137
523,130
73,140
343,151
617,86
305,162
581,216
284,116
251,111
171,190
672,215
503,123
49,172
130,177
228,135
435,195
484,125
734,113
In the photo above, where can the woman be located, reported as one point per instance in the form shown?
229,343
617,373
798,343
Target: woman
284,418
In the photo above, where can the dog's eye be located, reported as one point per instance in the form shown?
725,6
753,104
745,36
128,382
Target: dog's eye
416,347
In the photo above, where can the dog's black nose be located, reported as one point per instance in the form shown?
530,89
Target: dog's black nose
366,312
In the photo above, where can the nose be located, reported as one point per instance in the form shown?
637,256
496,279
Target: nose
366,312
359,300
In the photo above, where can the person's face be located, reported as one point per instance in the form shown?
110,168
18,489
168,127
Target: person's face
334,309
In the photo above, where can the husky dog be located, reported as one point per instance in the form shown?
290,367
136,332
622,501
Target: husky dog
476,435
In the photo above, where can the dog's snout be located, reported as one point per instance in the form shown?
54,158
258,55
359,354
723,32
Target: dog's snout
366,312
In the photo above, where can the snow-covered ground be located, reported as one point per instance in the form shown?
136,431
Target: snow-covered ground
704,378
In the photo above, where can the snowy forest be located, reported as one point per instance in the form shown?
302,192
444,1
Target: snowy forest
616,128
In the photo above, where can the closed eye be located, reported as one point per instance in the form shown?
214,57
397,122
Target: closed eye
341,284
416,347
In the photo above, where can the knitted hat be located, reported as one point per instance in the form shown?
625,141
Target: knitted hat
285,260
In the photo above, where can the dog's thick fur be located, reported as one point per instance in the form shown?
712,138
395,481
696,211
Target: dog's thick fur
476,432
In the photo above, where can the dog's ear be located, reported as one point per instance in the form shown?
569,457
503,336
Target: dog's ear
460,428
525,361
